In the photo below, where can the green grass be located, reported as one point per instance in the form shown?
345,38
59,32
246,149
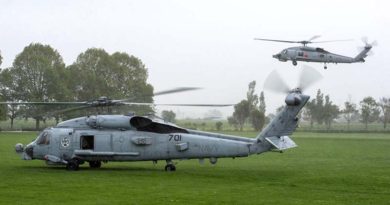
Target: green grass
324,169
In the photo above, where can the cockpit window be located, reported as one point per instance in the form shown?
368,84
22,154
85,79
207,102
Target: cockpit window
44,138
284,51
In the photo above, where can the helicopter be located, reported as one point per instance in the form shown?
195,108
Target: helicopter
102,138
315,54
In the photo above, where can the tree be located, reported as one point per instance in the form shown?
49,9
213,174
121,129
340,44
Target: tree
233,122
257,119
384,104
252,98
256,113
369,110
330,112
9,91
262,106
35,71
309,112
3,110
319,108
97,73
241,113
349,112
218,125
168,115
1,58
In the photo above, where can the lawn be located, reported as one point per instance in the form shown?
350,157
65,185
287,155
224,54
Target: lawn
324,169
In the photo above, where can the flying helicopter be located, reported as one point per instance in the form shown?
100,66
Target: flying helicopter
315,54
102,138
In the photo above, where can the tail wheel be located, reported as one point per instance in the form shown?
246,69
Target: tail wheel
73,165
95,164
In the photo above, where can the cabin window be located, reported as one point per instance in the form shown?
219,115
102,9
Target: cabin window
300,53
87,142
44,138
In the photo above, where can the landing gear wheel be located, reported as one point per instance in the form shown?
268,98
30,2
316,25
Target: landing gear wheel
170,168
325,67
95,164
73,165
294,63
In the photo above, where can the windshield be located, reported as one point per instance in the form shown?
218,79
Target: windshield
43,138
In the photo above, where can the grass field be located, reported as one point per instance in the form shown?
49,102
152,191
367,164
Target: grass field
324,169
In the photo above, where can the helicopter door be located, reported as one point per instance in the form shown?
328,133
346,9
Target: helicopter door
103,143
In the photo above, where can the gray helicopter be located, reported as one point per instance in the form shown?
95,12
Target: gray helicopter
320,55
102,138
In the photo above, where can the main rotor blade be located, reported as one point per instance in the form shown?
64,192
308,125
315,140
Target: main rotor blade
314,37
283,41
182,105
365,40
176,90
275,83
164,92
308,77
44,103
341,40
68,110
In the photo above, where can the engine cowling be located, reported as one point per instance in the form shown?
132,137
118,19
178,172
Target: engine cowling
293,99
109,121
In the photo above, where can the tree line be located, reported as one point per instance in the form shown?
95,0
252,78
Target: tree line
320,110
39,74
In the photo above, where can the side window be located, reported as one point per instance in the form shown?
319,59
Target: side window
300,53
44,139
87,142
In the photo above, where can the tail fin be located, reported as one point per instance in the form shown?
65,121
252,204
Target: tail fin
284,124
363,54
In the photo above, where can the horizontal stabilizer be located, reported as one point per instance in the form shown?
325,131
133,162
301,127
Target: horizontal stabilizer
281,143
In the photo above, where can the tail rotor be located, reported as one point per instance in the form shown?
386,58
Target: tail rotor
307,78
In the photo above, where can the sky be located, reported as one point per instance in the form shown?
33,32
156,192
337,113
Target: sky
209,44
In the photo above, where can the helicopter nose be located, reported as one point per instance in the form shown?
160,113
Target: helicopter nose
277,56
28,152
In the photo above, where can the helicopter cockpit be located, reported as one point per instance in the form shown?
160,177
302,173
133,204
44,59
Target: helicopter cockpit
43,138
282,55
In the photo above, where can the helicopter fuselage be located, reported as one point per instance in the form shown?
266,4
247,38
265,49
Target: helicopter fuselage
312,54
103,138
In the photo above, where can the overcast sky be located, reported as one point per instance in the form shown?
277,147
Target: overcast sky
209,43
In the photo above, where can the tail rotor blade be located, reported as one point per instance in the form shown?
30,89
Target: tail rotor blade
374,43
275,83
308,77
365,40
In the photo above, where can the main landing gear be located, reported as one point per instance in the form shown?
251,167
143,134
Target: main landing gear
170,167
294,62
325,67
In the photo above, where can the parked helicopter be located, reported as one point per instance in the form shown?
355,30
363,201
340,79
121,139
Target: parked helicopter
315,54
102,138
